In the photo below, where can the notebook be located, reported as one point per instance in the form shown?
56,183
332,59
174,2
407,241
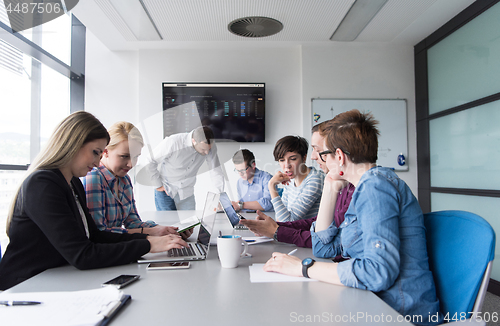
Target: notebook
233,216
196,250
88,307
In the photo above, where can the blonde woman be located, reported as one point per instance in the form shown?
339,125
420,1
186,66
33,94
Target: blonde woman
110,196
49,224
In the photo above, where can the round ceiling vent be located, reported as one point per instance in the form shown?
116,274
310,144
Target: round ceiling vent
255,26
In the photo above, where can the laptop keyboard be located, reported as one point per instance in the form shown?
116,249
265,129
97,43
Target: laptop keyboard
187,251
240,227
201,249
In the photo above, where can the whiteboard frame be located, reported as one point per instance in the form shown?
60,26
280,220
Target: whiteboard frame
395,167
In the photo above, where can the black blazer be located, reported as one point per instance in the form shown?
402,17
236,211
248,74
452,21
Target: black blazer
47,231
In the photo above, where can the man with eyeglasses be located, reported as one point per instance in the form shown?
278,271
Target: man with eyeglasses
253,192
298,232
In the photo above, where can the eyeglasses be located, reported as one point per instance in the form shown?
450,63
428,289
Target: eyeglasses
324,153
330,152
241,171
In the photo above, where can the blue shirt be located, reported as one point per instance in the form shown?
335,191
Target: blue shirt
383,234
258,190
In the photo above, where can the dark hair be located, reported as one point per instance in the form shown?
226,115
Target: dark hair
290,144
244,156
203,134
355,133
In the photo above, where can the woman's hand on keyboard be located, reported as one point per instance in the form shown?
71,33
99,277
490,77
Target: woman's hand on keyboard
166,242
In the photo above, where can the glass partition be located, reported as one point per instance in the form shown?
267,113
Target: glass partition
464,149
464,66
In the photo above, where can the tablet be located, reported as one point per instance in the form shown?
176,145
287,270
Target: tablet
187,224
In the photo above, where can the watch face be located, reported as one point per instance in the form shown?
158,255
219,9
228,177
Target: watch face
307,261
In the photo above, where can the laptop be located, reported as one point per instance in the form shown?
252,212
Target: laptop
231,213
196,250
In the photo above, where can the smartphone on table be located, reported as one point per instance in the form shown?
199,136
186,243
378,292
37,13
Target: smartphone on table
122,280
170,265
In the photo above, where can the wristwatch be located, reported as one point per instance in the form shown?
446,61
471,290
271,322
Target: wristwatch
306,263
275,236
240,203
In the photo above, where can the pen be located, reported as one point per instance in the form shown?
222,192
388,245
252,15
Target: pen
19,303
292,252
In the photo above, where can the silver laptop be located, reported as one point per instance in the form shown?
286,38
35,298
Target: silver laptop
233,216
196,250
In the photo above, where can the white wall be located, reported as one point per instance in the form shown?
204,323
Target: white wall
375,71
127,86
111,83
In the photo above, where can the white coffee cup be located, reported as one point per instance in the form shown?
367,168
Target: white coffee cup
229,249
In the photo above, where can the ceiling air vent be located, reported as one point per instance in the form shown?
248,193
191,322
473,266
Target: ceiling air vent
255,26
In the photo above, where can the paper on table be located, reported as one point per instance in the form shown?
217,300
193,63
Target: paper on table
258,275
77,308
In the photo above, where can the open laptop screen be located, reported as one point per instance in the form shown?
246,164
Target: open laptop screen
208,221
229,209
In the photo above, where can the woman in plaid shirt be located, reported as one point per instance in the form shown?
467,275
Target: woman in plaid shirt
108,188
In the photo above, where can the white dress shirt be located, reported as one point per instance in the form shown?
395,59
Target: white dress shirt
176,164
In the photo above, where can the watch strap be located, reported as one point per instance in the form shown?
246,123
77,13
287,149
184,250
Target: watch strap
305,267
304,271
275,236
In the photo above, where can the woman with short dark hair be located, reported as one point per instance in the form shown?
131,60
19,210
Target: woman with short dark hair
301,197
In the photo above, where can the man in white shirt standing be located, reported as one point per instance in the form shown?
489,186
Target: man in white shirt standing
176,162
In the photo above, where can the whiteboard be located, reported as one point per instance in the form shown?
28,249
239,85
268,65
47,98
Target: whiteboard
392,118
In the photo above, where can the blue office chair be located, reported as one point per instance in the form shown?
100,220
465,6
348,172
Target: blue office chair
461,248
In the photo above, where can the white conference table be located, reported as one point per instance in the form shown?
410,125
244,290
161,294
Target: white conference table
207,294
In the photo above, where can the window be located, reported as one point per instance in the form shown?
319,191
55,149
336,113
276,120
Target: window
39,72
458,109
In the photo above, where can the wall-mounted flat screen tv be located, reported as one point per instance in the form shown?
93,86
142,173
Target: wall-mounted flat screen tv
234,111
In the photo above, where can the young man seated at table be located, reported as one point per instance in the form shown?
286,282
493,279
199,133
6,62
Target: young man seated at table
297,232
253,192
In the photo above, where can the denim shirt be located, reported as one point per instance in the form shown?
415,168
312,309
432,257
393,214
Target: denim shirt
383,234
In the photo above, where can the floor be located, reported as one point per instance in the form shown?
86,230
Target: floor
491,309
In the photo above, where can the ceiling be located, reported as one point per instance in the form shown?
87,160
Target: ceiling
188,23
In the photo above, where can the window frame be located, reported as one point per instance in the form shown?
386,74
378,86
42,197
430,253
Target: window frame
75,73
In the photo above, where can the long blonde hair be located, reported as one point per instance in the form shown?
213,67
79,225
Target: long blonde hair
67,139
121,131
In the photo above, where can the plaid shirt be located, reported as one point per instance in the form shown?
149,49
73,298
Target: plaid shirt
112,212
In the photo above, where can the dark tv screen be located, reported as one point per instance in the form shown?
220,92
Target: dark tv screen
234,111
